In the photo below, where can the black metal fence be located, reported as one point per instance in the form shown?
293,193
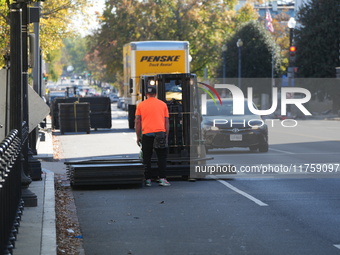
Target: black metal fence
11,205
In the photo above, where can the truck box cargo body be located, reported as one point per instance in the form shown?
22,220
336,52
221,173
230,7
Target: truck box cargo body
151,58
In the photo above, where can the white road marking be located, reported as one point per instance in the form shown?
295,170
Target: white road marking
250,197
337,246
288,152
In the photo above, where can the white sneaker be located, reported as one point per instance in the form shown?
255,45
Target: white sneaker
163,182
148,182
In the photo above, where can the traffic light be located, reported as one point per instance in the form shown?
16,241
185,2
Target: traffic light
292,51
45,77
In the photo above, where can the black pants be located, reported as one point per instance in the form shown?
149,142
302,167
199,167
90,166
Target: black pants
147,148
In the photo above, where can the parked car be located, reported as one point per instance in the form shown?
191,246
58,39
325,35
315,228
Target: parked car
113,98
54,94
222,129
120,103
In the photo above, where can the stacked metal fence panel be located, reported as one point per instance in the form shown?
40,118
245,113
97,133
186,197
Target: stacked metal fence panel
74,117
100,111
11,205
105,172
55,109
100,114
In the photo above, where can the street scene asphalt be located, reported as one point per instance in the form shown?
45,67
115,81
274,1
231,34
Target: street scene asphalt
242,214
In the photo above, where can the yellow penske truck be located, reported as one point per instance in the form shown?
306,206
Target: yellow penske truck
165,65
148,58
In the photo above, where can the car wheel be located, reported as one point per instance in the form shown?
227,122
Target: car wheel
253,148
263,147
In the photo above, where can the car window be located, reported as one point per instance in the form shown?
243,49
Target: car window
226,109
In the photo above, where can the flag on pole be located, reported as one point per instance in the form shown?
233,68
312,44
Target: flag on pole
269,21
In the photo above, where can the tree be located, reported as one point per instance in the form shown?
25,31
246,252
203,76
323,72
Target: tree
205,24
55,68
55,27
318,45
96,68
281,38
74,53
118,26
245,14
4,30
318,39
257,52
56,17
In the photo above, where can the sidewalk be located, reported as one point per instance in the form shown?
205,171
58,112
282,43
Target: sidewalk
37,231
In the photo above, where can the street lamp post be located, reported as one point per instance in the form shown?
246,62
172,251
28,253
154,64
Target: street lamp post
224,51
239,45
291,25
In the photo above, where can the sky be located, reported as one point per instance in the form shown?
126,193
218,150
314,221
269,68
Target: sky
87,27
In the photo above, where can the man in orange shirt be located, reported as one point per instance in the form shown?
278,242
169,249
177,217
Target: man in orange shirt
152,122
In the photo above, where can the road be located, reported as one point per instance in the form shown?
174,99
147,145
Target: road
246,213
311,144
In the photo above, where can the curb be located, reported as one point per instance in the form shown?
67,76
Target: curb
49,235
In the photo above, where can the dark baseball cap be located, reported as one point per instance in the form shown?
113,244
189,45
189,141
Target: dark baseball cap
151,90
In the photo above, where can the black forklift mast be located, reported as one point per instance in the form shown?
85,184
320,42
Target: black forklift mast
176,90
179,91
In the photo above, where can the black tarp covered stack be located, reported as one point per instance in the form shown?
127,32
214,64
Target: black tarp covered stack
99,111
55,109
100,114
74,117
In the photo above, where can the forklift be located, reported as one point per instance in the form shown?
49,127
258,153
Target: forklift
185,146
